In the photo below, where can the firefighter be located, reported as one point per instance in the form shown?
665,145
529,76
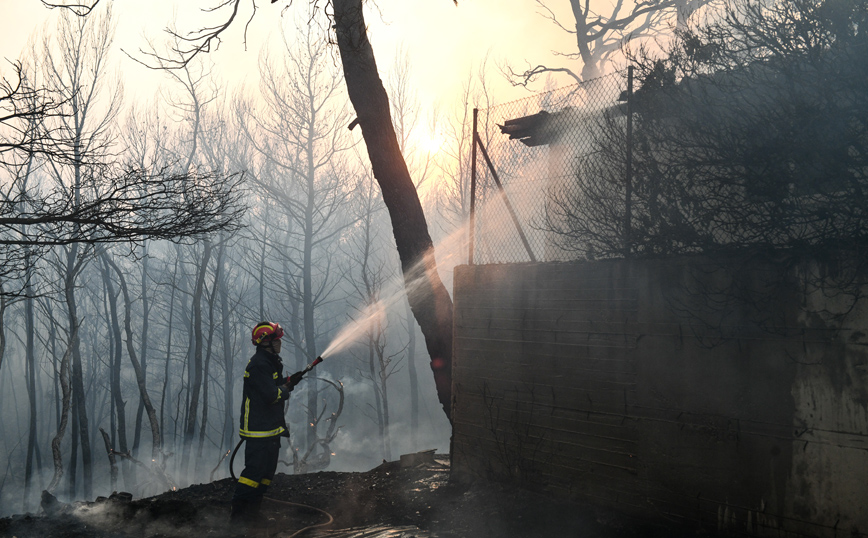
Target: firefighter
262,420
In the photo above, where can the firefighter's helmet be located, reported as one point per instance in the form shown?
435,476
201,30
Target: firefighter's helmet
265,332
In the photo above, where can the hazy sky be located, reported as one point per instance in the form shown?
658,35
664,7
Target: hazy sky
444,41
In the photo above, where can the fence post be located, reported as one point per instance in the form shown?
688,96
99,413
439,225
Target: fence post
472,223
506,203
628,175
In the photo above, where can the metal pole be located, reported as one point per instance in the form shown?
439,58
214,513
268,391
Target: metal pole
628,176
471,234
506,201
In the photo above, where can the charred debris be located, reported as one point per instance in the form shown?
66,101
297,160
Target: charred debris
412,497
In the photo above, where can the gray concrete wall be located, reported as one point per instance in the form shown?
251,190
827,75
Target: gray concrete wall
652,388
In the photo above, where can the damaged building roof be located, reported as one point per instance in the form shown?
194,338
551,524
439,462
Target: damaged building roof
546,127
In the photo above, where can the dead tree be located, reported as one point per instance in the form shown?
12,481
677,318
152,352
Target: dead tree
113,464
119,404
600,36
430,301
367,282
312,460
405,114
141,380
64,373
25,111
301,137
223,149
158,469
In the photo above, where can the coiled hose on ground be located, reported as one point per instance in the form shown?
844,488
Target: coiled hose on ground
287,503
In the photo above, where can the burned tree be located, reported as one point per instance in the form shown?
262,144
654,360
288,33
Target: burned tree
429,300
428,297
375,364
600,36
126,204
301,138
24,109
72,192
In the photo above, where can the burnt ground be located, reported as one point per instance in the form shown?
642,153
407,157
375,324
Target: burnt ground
389,501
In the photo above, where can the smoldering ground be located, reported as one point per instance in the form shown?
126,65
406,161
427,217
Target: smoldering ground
387,501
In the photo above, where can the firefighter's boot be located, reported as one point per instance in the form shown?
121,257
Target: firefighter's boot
240,513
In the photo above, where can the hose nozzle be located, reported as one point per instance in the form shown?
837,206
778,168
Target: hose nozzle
310,366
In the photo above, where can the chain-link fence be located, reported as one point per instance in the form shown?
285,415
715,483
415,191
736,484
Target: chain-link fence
527,157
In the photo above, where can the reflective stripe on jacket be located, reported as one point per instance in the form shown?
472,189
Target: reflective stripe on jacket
262,399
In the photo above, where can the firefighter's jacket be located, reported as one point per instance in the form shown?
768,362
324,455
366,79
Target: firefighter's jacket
262,399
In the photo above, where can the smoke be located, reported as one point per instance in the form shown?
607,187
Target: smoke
360,448
356,447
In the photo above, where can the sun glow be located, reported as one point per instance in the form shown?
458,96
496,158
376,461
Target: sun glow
431,142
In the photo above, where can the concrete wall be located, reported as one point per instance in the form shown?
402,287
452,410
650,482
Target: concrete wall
651,388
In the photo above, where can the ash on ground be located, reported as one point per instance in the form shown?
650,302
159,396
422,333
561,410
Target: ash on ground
389,501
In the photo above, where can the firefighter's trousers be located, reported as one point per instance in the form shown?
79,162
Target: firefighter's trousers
260,463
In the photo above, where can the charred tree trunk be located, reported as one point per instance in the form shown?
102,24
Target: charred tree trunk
30,358
64,415
429,300
198,345
117,397
384,391
3,304
141,380
223,290
113,464
55,363
212,299
73,444
79,407
372,371
308,306
143,353
168,351
262,258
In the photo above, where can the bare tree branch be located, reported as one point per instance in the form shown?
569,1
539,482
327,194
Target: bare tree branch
133,205
204,40
24,111
600,36
81,9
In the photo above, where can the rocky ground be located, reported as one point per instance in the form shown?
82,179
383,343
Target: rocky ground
390,501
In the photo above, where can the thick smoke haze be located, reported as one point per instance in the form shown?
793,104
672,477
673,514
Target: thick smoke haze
137,348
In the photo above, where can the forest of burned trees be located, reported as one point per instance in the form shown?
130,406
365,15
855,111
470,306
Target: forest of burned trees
142,241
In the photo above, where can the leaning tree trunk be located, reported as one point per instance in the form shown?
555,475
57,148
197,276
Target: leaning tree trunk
429,299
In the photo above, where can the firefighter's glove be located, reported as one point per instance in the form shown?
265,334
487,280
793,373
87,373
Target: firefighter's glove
294,379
